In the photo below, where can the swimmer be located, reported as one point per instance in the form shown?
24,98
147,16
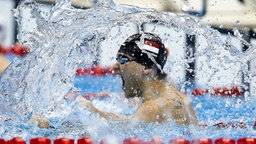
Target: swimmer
140,63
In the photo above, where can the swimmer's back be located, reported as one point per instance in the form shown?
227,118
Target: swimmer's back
173,106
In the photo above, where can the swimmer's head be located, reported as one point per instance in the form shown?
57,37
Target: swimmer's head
146,49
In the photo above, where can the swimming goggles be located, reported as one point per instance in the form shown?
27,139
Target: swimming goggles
122,59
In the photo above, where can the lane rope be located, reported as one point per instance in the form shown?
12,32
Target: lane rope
98,70
131,140
16,49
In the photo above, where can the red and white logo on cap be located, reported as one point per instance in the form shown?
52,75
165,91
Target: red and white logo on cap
149,46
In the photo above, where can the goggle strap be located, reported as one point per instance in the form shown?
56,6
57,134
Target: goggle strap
150,55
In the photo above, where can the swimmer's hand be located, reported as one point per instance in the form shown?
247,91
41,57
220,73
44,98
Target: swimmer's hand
41,121
108,115
86,104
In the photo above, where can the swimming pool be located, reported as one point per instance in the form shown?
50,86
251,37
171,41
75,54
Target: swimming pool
67,38
218,116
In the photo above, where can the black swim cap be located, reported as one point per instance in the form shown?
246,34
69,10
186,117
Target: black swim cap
146,49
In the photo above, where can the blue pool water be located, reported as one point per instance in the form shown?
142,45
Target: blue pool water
74,124
66,38
94,84
210,109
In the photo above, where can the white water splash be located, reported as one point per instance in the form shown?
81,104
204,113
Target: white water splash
67,38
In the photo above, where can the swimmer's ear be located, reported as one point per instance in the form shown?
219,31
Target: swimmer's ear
147,71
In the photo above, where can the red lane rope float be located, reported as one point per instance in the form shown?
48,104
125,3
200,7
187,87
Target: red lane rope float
40,140
179,141
96,70
224,141
228,92
15,140
16,49
132,141
2,141
85,140
202,141
64,141
155,141
246,140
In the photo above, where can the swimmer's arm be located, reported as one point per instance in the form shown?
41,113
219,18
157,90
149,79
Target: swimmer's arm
148,112
4,63
41,121
110,115
189,109
107,115
192,114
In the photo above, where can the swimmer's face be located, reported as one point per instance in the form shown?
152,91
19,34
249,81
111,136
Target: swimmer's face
131,73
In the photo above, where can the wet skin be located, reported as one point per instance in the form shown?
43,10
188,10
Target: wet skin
161,103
